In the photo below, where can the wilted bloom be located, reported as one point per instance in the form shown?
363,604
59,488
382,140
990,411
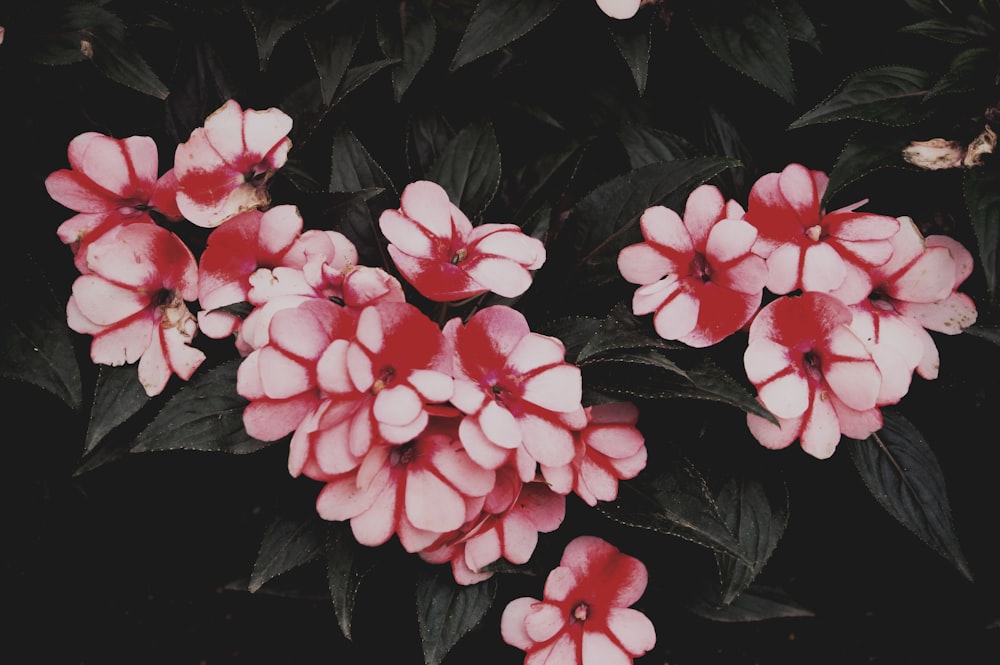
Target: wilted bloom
110,183
934,154
584,617
813,373
807,248
445,258
521,396
131,299
224,167
698,274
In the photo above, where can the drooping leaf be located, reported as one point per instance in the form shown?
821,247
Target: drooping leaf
890,95
982,199
634,40
902,473
677,502
406,34
36,343
757,517
867,151
272,20
332,46
206,414
289,541
469,169
117,397
758,603
751,38
797,23
496,23
446,611
646,145
352,168
347,564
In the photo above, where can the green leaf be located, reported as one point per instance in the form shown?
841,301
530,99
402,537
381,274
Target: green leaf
114,54
427,136
355,76
447,611
36,343
757,517
332,48
758,603
903,474
622,330
206,414
574,332
722,138
969,71
890,95
751,38
634,40
117,397
289,541
982,199
496,23
271,21
797,23
469,169
989,333
944,30
407,34
646,145
347,564
867,151
352,168
677,502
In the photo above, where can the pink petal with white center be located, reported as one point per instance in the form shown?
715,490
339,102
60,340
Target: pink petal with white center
370,329
499,425
509,242
600,484
263,131
109,163
651,297
859,226
406,236
929,278
77,321
434,386
676,317
468,397
105,303
332,454
512,628
964,262
821,431
703,209
499,275
270,420
341,499
223,130
279,227
123,343
300,446
563,651
783,269
406,432
481,450
798,188
560,479
533,351
629,467
746,276
331,370
377,524
930,362
483,549
616,441
857,383
786,396
78,192
870,253
153,369
857,424
558,388
774,437
543,623
664,229
858,284
560,583
823,268
598,649
730,240
545,508
632,629
427,203
949,316
182,359
547,443
359,368
454,464
298,333
282,376
642,264
431,503
520,537
619,9
397,406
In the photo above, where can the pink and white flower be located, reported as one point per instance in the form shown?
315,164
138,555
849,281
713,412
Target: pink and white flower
131,298
621,9
585,615
440,253
809,249
110,183
224,167
813,373
698,274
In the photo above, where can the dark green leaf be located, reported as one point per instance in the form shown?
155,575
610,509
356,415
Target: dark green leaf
114,54
347,564
646,145
117,397
573,331
903,474
62,36
621,330
407,33
712,383
200,84
678,502
447,611
352,168
758,603
991,334
982,198
206,414
927,7
797,23
289,541
36,343
758,519
469,169
355,76
969,70
634,40
427,136
751,38
722,138
332,48
944,30
271,21
496,23
867,151
884,95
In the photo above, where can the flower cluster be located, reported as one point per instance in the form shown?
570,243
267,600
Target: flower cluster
851,297
461,437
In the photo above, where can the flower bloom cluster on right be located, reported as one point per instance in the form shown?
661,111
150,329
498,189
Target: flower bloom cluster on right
851,297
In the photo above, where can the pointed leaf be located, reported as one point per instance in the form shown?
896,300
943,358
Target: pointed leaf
469,169
751,38
903,474
352,168
496,23
355,76
117,397
723,138
634,40
797,23
272,21
347,564
332,48
427,136
989,333
867,151
646,145
677,502
758,603
114,54
574,332
200,84
621,330
36,343
447,611
206,414
289,541
884,95
406,34
966,73
982,199
944,30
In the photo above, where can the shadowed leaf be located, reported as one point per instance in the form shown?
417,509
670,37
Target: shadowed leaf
634,41
982,198
758,603
407,33
469,169
496,23
347,564
117,397
884,95
446,611
289,541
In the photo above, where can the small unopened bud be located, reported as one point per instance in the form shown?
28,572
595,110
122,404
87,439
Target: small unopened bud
981,145
934,154
87,49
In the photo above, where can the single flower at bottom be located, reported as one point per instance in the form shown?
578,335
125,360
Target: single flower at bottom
585,616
